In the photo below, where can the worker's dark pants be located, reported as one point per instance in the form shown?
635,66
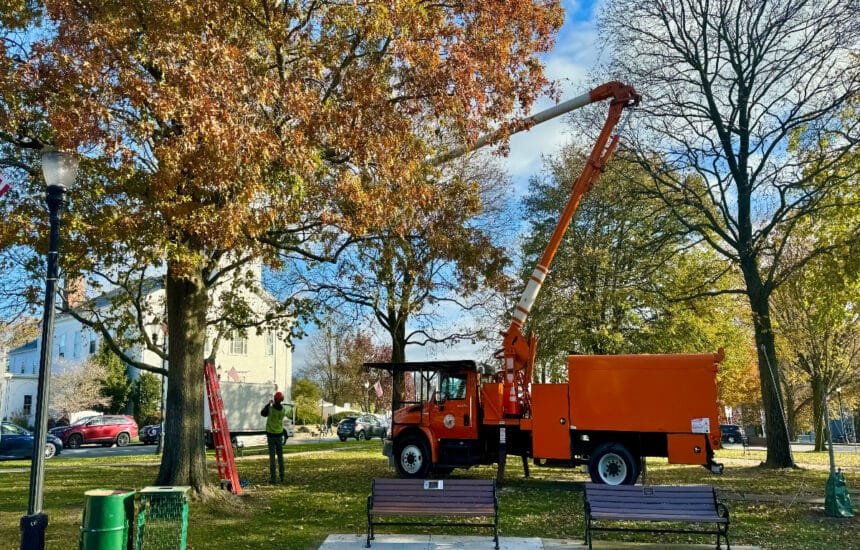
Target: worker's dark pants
276,447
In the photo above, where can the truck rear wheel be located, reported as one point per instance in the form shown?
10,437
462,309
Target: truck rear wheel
413,457
612,464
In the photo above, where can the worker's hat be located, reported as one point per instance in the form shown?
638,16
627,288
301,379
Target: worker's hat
279,397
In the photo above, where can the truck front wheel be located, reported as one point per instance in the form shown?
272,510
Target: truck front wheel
413,457
612,464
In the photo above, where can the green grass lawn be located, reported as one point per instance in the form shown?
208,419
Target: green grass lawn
326,489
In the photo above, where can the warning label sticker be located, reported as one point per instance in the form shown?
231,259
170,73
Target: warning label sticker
700,425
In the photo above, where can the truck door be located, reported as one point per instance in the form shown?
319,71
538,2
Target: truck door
453,407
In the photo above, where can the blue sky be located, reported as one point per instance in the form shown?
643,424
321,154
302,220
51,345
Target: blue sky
574,57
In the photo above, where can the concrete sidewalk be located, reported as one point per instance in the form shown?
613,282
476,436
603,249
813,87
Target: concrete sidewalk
449,542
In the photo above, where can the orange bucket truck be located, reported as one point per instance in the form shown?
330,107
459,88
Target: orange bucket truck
613,411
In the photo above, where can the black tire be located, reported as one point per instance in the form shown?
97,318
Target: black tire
412,457
122,439
613,464
50,450
74,441
361,436
342,437
731,439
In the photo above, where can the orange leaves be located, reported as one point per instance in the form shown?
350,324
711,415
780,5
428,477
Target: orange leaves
242,116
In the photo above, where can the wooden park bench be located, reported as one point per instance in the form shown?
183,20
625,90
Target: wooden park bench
465,498
655,503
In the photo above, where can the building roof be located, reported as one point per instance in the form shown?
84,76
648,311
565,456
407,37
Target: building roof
26,347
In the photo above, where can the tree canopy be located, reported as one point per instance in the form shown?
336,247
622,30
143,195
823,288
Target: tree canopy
741,128
215,126
627,278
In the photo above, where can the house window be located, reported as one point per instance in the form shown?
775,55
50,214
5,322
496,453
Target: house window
76,344
28,405
92,345
61,349
238,344
270,343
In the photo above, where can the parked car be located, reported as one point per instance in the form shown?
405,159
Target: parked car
60,430
149,435
17,443
361,427
106,429
732,433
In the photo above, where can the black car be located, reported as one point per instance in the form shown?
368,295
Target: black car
149,435
17,443
362,427
732,433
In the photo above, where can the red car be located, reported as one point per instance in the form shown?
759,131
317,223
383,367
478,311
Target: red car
106,429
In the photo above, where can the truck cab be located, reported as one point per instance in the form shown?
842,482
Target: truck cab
436,425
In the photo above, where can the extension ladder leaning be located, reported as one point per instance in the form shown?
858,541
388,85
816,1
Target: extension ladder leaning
220,434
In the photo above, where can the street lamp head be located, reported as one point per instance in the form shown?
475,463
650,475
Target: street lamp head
838,389
60,168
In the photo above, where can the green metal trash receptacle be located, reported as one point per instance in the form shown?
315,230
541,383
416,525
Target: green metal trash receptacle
108,520
162,518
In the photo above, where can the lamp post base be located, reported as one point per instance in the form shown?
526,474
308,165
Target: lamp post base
33,531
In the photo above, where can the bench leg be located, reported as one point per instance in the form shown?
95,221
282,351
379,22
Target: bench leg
369,521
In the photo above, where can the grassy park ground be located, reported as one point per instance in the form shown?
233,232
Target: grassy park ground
327,485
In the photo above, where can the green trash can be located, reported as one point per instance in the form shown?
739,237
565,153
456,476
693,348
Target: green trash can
108,520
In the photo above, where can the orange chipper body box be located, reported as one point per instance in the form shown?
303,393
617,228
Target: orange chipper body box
673,394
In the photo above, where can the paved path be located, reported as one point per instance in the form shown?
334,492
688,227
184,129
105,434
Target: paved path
448,542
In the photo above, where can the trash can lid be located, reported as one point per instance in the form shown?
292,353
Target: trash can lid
107,492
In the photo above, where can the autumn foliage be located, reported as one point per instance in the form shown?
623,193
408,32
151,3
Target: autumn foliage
208,125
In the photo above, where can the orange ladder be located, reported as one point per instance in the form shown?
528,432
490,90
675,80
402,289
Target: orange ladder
220,434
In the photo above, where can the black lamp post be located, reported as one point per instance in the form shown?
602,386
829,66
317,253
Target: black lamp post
60,170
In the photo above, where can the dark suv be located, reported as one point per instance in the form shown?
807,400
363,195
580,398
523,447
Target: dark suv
732,433
106,429
362,427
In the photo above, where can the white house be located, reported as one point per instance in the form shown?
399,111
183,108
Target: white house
253,358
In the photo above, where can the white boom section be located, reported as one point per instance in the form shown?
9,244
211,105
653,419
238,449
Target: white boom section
516,127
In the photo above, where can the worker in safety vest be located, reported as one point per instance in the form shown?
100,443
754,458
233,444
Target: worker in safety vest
275,412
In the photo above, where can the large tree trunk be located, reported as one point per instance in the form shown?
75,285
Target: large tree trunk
398,354
778,445
184,459
818,424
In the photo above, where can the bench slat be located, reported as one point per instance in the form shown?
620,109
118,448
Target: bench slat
654,509
655,506
662,516
432,512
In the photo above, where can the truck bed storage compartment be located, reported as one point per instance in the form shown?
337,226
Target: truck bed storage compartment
550,423
644,393
687,449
